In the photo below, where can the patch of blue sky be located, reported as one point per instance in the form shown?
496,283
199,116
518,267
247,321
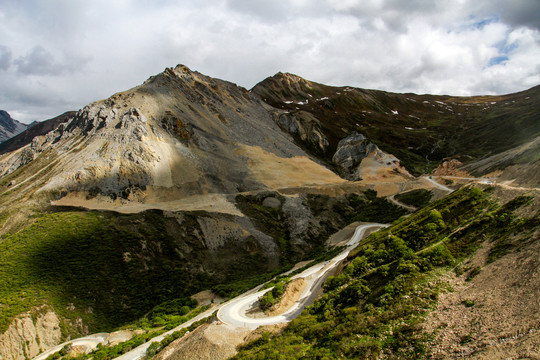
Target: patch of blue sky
504,49
496,60
475,23
480,24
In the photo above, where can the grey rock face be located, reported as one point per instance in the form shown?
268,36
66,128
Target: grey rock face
272,202
351,151
298,219
305,126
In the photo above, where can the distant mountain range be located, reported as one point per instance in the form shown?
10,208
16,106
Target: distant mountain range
34,129
9,127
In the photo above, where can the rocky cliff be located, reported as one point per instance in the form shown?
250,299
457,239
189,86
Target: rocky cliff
28,335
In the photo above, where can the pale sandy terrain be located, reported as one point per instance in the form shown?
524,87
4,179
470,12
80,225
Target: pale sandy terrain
292,293
277,172
208,202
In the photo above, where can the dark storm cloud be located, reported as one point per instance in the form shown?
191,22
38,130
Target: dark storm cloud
39,61
516,12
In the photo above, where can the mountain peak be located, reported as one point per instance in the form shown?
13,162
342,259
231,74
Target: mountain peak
180,70
288,76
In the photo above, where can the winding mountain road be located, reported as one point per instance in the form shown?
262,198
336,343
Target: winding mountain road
90,342
235,312
440,186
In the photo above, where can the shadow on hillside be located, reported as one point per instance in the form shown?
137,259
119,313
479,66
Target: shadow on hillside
115,268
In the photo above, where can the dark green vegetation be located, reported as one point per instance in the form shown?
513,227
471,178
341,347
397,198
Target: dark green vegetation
273,296
81,260
377,304
439,126
374,209
169,315
417,198
111,269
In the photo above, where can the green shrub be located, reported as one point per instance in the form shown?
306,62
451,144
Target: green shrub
273,296
417,198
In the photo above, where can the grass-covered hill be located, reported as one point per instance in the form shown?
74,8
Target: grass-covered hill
420,130
384,303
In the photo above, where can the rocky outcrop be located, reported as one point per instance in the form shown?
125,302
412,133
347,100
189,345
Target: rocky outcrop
449,167
351,151
28,335
360,159
304,126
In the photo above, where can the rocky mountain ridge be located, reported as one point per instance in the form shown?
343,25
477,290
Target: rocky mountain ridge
36,128
138,141
420,130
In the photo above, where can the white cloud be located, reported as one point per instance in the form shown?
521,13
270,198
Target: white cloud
61,55
5,57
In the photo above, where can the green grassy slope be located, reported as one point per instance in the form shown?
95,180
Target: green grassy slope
376,306
106,269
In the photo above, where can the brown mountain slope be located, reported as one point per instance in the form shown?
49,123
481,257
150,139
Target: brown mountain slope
420,130
519,165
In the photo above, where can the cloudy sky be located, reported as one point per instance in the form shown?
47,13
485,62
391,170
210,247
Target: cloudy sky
59,55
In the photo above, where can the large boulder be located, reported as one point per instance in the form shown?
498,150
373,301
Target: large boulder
351,151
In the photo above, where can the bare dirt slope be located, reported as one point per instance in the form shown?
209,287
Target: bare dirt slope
292,293
496,314
210,341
